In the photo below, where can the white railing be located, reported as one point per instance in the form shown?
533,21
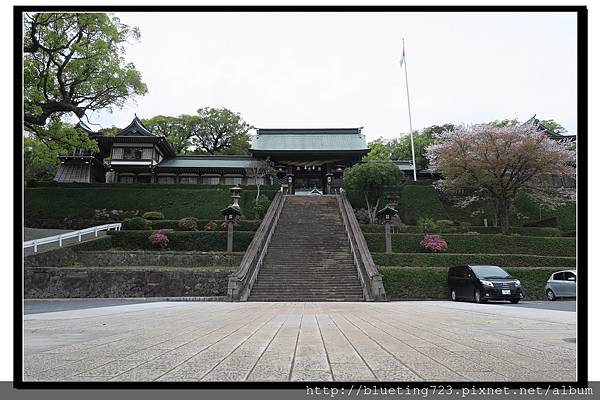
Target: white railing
78,234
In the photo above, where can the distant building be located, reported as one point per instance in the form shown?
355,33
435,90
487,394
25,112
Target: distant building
304,159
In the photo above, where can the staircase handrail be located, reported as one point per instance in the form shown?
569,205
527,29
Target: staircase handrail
371,279
241,282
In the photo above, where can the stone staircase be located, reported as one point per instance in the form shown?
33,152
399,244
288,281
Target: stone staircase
309,258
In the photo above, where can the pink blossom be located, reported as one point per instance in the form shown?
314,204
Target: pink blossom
434,244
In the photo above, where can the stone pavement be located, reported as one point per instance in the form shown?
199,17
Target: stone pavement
399,341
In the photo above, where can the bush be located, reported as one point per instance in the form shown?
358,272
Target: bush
467,244
153,215
182,241
211,226
445,260
187,224
261,206
242,225
434,244
445,223
362,216
432,283
159,239
135,224
427,225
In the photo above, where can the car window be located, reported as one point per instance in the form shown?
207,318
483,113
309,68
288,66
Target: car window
559,276
489,271
570,275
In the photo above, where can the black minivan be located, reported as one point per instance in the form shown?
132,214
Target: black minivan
481,283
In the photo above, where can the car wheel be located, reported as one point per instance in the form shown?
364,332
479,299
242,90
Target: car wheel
477,297
514,301
550,294
453,295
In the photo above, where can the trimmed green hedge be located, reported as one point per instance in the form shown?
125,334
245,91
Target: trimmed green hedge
445,260
486,230
242,225
432,283
73,201
182,241
101,243
469,244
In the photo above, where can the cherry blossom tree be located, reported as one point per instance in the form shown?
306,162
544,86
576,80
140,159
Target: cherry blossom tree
498,163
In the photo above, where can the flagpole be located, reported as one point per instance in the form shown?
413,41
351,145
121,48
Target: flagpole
412,141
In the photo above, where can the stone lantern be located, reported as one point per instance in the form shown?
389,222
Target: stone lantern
235,195
231,213
387,212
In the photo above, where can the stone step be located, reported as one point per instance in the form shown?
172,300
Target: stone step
305,298
309,258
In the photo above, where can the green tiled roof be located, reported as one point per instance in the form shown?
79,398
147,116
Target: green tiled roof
207,162
309,140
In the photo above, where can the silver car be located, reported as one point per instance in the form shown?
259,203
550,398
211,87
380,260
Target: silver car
562,284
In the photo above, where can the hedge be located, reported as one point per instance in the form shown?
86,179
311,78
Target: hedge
566,213
469,244
242,225
432,283
416,200
445,260
551,222
182,241
101,243
491,230
73,201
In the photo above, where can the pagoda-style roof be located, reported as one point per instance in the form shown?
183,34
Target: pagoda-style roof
313,140
84,127
551,134
137,132
135,128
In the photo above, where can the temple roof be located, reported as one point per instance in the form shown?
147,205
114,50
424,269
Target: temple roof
135,128
345,139
551,134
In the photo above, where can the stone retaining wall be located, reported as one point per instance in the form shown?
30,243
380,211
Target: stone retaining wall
65,272
157,258
125,282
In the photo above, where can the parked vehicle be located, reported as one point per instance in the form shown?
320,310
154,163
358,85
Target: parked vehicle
562,284
481,283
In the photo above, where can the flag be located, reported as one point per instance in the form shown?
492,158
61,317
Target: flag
403,58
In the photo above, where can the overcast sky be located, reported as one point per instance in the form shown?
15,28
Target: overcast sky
308,70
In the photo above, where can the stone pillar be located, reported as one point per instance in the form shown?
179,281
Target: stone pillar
388,238
229,236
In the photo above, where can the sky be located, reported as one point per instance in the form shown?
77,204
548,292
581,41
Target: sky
326,70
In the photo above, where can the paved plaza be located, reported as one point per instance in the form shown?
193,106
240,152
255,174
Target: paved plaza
204,341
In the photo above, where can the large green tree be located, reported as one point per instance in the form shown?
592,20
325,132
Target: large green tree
219,131
177,130
371,180
73,63
400,149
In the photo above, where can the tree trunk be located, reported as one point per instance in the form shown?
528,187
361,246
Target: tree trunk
503,209
371,221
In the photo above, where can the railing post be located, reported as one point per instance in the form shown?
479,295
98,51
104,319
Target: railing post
59,240
35,246
79,236
96,231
